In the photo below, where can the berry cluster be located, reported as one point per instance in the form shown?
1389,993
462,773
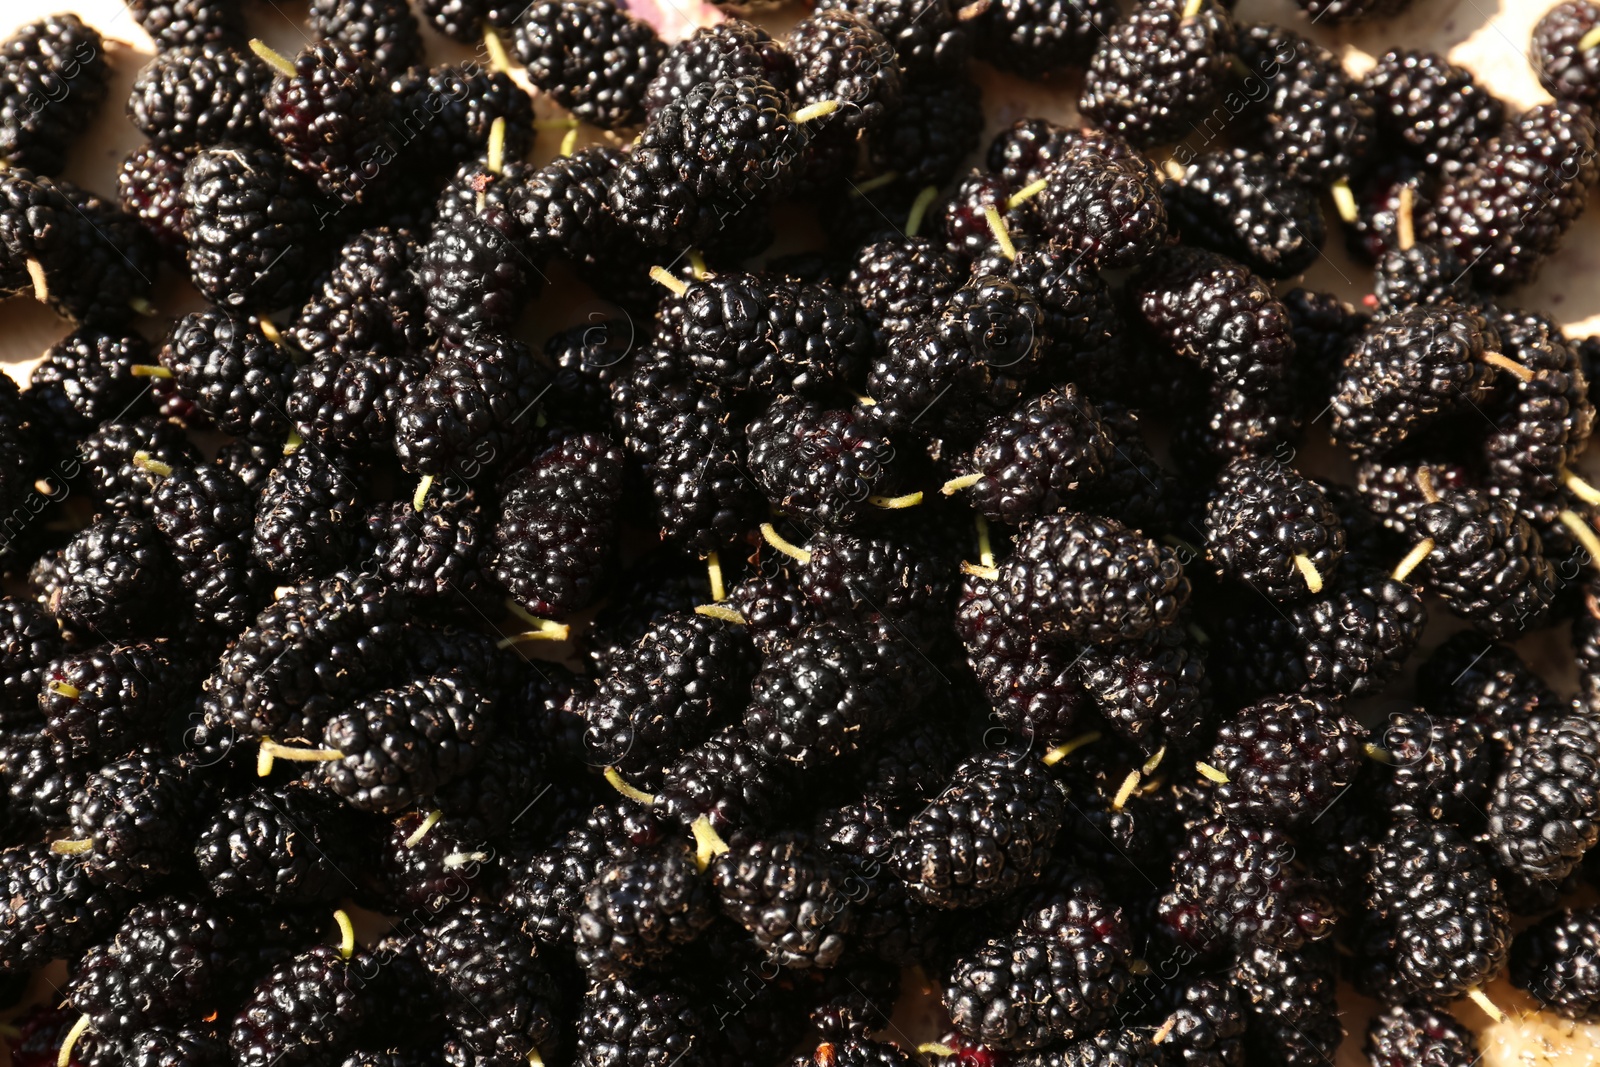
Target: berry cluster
674,684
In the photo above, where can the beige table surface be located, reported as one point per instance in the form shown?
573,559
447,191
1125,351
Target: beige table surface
1487,37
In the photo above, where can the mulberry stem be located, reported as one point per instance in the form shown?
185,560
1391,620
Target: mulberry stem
663,276
1345,201
1067,748
347,933
1405,233
1309,572
812,112
1580,488
149,370
1508,365
621,785
919,209
64,1057
1418,553
421,831
888,177
718,611
41,284
1002,234
1026,193
1584,532
1211,773
719,592
708,844
272,58
955,485
1481,999
499,61
776,540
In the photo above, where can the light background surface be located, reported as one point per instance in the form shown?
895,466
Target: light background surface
1488,37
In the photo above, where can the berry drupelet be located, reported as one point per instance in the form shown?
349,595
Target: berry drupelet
705,158
901,280
1102,202
1286,760
29,642
226,366
947,376
179,23
115,574
641,1018
53,76
725,50
841,56
474,272
308,515
385,30
1057,977
1213,311
203,94
1558,961
591,57
674,687
103,703
86,378
208,517
1415,1033
985,835
639,908
1243,884
1159,70
816,465
1039,458
368,300
1429,107
250,227
1434,921
1509,205
1413,367
1562,55
504,1003
55,909
134,819
1038,38
168,963
1292,1004
821,696
553,537
400,744
728,782
1545,811
1487,563
1083,577
150,188
1314,119
794,899
473,412
1273,529
1239,203
330,117
87,259
309,1006
288,846
1545,426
